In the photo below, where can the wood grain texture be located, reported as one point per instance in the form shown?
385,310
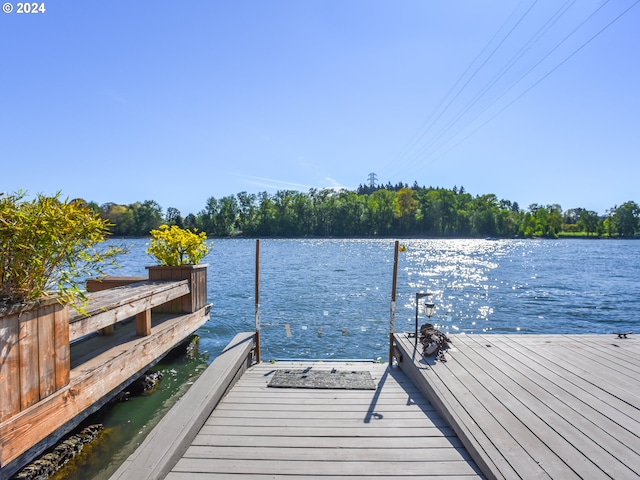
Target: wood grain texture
97,377
10,366
172,436
107,307
196,275
539,406
262,432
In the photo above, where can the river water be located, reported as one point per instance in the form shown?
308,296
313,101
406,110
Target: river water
330,299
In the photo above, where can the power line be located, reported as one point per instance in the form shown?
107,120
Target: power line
482,93
501,73
540,80
429,122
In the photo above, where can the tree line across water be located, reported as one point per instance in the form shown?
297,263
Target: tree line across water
391,210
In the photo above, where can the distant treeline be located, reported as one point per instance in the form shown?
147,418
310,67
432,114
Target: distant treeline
391,210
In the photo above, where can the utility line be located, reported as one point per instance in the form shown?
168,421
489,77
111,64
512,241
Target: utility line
512,61
539,80
430,121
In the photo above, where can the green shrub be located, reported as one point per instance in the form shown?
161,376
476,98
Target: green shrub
47,243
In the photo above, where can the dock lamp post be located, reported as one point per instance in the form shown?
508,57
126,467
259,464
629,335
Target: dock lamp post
429,309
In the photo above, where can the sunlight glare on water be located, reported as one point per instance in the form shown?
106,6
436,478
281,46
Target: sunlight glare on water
330,298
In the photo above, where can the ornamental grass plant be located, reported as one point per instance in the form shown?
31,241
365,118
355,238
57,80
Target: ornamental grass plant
48,247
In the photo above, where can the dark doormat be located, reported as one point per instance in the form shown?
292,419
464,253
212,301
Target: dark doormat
323,379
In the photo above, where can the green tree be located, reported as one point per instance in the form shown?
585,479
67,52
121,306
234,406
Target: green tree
484,215
383,210
284,214
626,218
322,201
147,216
225,219
303,215
547,221
48,242
428,215
120,217
173,217
350,213
588,221
509,222
407,207
190,222
607,224
206,219
247,208
265,216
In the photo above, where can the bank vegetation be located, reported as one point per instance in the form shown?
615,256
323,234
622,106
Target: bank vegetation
391,210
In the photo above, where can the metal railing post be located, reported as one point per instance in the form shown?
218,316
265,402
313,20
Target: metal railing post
392,320
257,304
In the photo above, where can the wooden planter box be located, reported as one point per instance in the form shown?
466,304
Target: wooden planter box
111,281
197,276
34,354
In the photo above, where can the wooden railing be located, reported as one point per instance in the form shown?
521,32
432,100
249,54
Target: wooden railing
35,346
113,305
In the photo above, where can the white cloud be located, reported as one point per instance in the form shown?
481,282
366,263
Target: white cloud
333,183
277,184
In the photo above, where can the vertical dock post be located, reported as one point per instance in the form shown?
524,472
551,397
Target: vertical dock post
392,320
257,305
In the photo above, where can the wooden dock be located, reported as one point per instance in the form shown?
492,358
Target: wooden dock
390,432
91,368
504,407
257,431
538,406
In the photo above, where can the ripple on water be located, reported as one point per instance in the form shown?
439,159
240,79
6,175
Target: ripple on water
479,286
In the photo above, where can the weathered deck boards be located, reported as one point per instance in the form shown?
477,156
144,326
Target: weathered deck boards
260,432
170,438
539,406
94,379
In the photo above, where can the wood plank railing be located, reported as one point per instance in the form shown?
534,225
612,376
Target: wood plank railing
113,305
35,344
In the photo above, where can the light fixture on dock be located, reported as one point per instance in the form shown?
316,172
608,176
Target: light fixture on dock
429,308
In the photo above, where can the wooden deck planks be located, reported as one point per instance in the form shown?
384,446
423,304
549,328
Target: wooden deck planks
543,406
262,432
171,437
582,408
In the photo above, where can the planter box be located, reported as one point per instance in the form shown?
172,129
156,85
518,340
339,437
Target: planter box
111,281
34,354
197,276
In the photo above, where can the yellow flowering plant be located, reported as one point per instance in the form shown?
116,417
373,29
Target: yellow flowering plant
174,246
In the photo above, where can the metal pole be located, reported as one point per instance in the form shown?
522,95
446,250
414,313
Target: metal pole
257,300
417,300
393,303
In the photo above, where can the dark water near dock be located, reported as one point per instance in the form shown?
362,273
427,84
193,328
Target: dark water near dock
330,299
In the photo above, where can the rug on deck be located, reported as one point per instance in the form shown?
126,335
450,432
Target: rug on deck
334,379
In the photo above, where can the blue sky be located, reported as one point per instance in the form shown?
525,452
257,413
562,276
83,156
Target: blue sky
534,101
